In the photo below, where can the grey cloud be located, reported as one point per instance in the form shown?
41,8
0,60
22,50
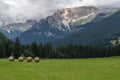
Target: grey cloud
3,7
21,10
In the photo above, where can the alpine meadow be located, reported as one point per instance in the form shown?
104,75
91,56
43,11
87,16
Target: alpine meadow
62,69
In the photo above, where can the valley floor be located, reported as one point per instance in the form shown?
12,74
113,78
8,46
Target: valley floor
62,69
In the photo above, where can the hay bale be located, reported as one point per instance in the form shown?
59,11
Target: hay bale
29,59
11,58
21,59
36,59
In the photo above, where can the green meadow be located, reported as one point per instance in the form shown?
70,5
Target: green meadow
62,69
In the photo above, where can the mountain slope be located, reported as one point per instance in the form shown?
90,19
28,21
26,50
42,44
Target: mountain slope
97,33
16,29
41,32
64,22
58,25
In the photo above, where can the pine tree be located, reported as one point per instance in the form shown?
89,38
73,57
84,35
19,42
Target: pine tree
17,48
35,49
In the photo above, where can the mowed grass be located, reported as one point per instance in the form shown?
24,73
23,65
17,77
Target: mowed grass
62,69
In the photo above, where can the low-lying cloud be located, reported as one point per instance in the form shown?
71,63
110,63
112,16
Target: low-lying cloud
21,10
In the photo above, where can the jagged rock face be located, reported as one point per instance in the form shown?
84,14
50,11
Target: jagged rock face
58,25
62,23
18,26
41,32
100,32
68,16
15,29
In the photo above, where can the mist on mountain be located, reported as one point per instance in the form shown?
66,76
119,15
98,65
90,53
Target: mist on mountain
22,10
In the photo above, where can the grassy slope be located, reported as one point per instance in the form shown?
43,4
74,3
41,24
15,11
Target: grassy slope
76,69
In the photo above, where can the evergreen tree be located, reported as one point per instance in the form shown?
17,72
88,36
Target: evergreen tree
17,48
35,49
48,50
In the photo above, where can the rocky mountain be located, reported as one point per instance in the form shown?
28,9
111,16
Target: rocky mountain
101,33
64,22
16,29
59,24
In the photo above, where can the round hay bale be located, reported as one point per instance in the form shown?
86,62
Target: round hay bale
29,59
36,59
11,58
21,59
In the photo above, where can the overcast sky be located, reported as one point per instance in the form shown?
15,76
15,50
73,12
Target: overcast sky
21,10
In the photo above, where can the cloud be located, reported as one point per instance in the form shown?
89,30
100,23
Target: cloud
3,7
101,3
21,10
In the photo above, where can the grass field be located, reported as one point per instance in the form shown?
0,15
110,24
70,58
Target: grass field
62,69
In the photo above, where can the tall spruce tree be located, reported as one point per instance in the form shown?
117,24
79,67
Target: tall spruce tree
17,48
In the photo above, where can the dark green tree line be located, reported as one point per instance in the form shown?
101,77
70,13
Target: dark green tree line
16,49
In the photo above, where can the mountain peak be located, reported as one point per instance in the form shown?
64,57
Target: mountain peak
59,24
67,16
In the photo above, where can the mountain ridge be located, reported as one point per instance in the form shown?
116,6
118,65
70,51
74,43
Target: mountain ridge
98,33
16,29
58,23
61,24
